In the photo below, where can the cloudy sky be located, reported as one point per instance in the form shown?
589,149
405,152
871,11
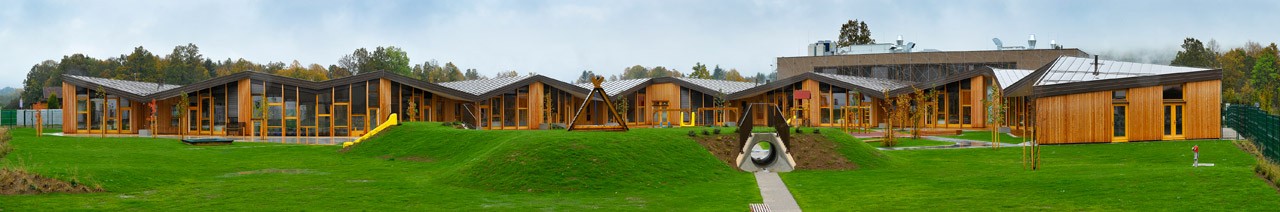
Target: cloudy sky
562,38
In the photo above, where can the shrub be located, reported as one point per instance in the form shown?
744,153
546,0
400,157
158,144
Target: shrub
717,131
446,124
704,132
798,131
692,134
815,131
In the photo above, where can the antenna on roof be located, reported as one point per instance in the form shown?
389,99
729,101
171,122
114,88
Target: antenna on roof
999,45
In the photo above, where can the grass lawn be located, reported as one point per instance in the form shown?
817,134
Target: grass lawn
911,142
418,166
1139,176
985,135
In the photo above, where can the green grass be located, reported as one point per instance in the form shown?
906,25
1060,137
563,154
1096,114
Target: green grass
418,166
1140,176
985,135
913,142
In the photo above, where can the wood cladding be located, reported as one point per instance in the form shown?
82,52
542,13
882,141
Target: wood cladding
1076,118
1088,118
1203,110
1146,113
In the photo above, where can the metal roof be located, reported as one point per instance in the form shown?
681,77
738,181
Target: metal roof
131,87
616,87
482,86
1078,69
1006,77
723,86
869,83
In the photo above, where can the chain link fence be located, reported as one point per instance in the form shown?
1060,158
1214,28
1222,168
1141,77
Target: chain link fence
1252,123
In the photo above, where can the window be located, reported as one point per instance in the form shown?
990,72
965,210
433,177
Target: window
1118,95
1173,92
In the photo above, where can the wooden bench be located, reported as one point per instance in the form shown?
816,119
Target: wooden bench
237,127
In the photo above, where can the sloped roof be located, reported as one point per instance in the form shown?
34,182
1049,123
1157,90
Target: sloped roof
1078,69
481,86
874,87
129,89
617,87
870,83
1006,77
724,86
1072,75
485,88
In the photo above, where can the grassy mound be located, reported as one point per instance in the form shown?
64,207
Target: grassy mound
552,161
861,153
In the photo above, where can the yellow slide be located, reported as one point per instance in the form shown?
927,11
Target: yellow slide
391,121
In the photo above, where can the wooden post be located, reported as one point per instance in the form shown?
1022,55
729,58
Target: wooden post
39,118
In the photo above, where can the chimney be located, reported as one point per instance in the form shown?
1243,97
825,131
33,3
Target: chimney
1095,65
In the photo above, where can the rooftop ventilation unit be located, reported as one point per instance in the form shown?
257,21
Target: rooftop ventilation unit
1000,45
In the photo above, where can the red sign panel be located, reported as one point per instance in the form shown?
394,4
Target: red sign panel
801,94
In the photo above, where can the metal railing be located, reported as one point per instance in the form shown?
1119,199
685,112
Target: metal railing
1258,126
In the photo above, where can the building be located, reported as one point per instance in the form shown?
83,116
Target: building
1065,97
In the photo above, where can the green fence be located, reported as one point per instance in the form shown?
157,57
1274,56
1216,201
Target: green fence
8,117
1256,125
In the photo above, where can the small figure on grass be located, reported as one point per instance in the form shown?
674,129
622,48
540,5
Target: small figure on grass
1196,158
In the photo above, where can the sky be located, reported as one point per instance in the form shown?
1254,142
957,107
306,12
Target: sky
560,39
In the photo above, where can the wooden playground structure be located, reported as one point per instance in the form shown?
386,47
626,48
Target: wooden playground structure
611,112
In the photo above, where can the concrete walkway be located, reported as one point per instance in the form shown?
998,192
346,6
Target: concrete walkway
775,192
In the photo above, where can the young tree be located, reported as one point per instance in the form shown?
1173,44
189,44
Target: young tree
621,105
102,93
182,115
411,112
995,113
886,104
854,32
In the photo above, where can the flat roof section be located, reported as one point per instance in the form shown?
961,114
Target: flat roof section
1023,59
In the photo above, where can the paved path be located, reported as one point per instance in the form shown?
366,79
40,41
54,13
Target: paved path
775,192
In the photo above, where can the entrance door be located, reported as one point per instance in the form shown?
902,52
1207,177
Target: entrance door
1119,123
1173,121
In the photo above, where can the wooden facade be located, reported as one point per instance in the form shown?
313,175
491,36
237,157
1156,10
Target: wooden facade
1150,115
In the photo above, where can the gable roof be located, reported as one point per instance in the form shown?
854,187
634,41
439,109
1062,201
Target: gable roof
1071,75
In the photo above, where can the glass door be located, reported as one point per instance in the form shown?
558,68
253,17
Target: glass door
206,115
340,119
1173,121
113,115
1119,123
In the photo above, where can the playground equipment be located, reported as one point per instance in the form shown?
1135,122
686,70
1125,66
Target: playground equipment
779,158
391,121
612,113
693,119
